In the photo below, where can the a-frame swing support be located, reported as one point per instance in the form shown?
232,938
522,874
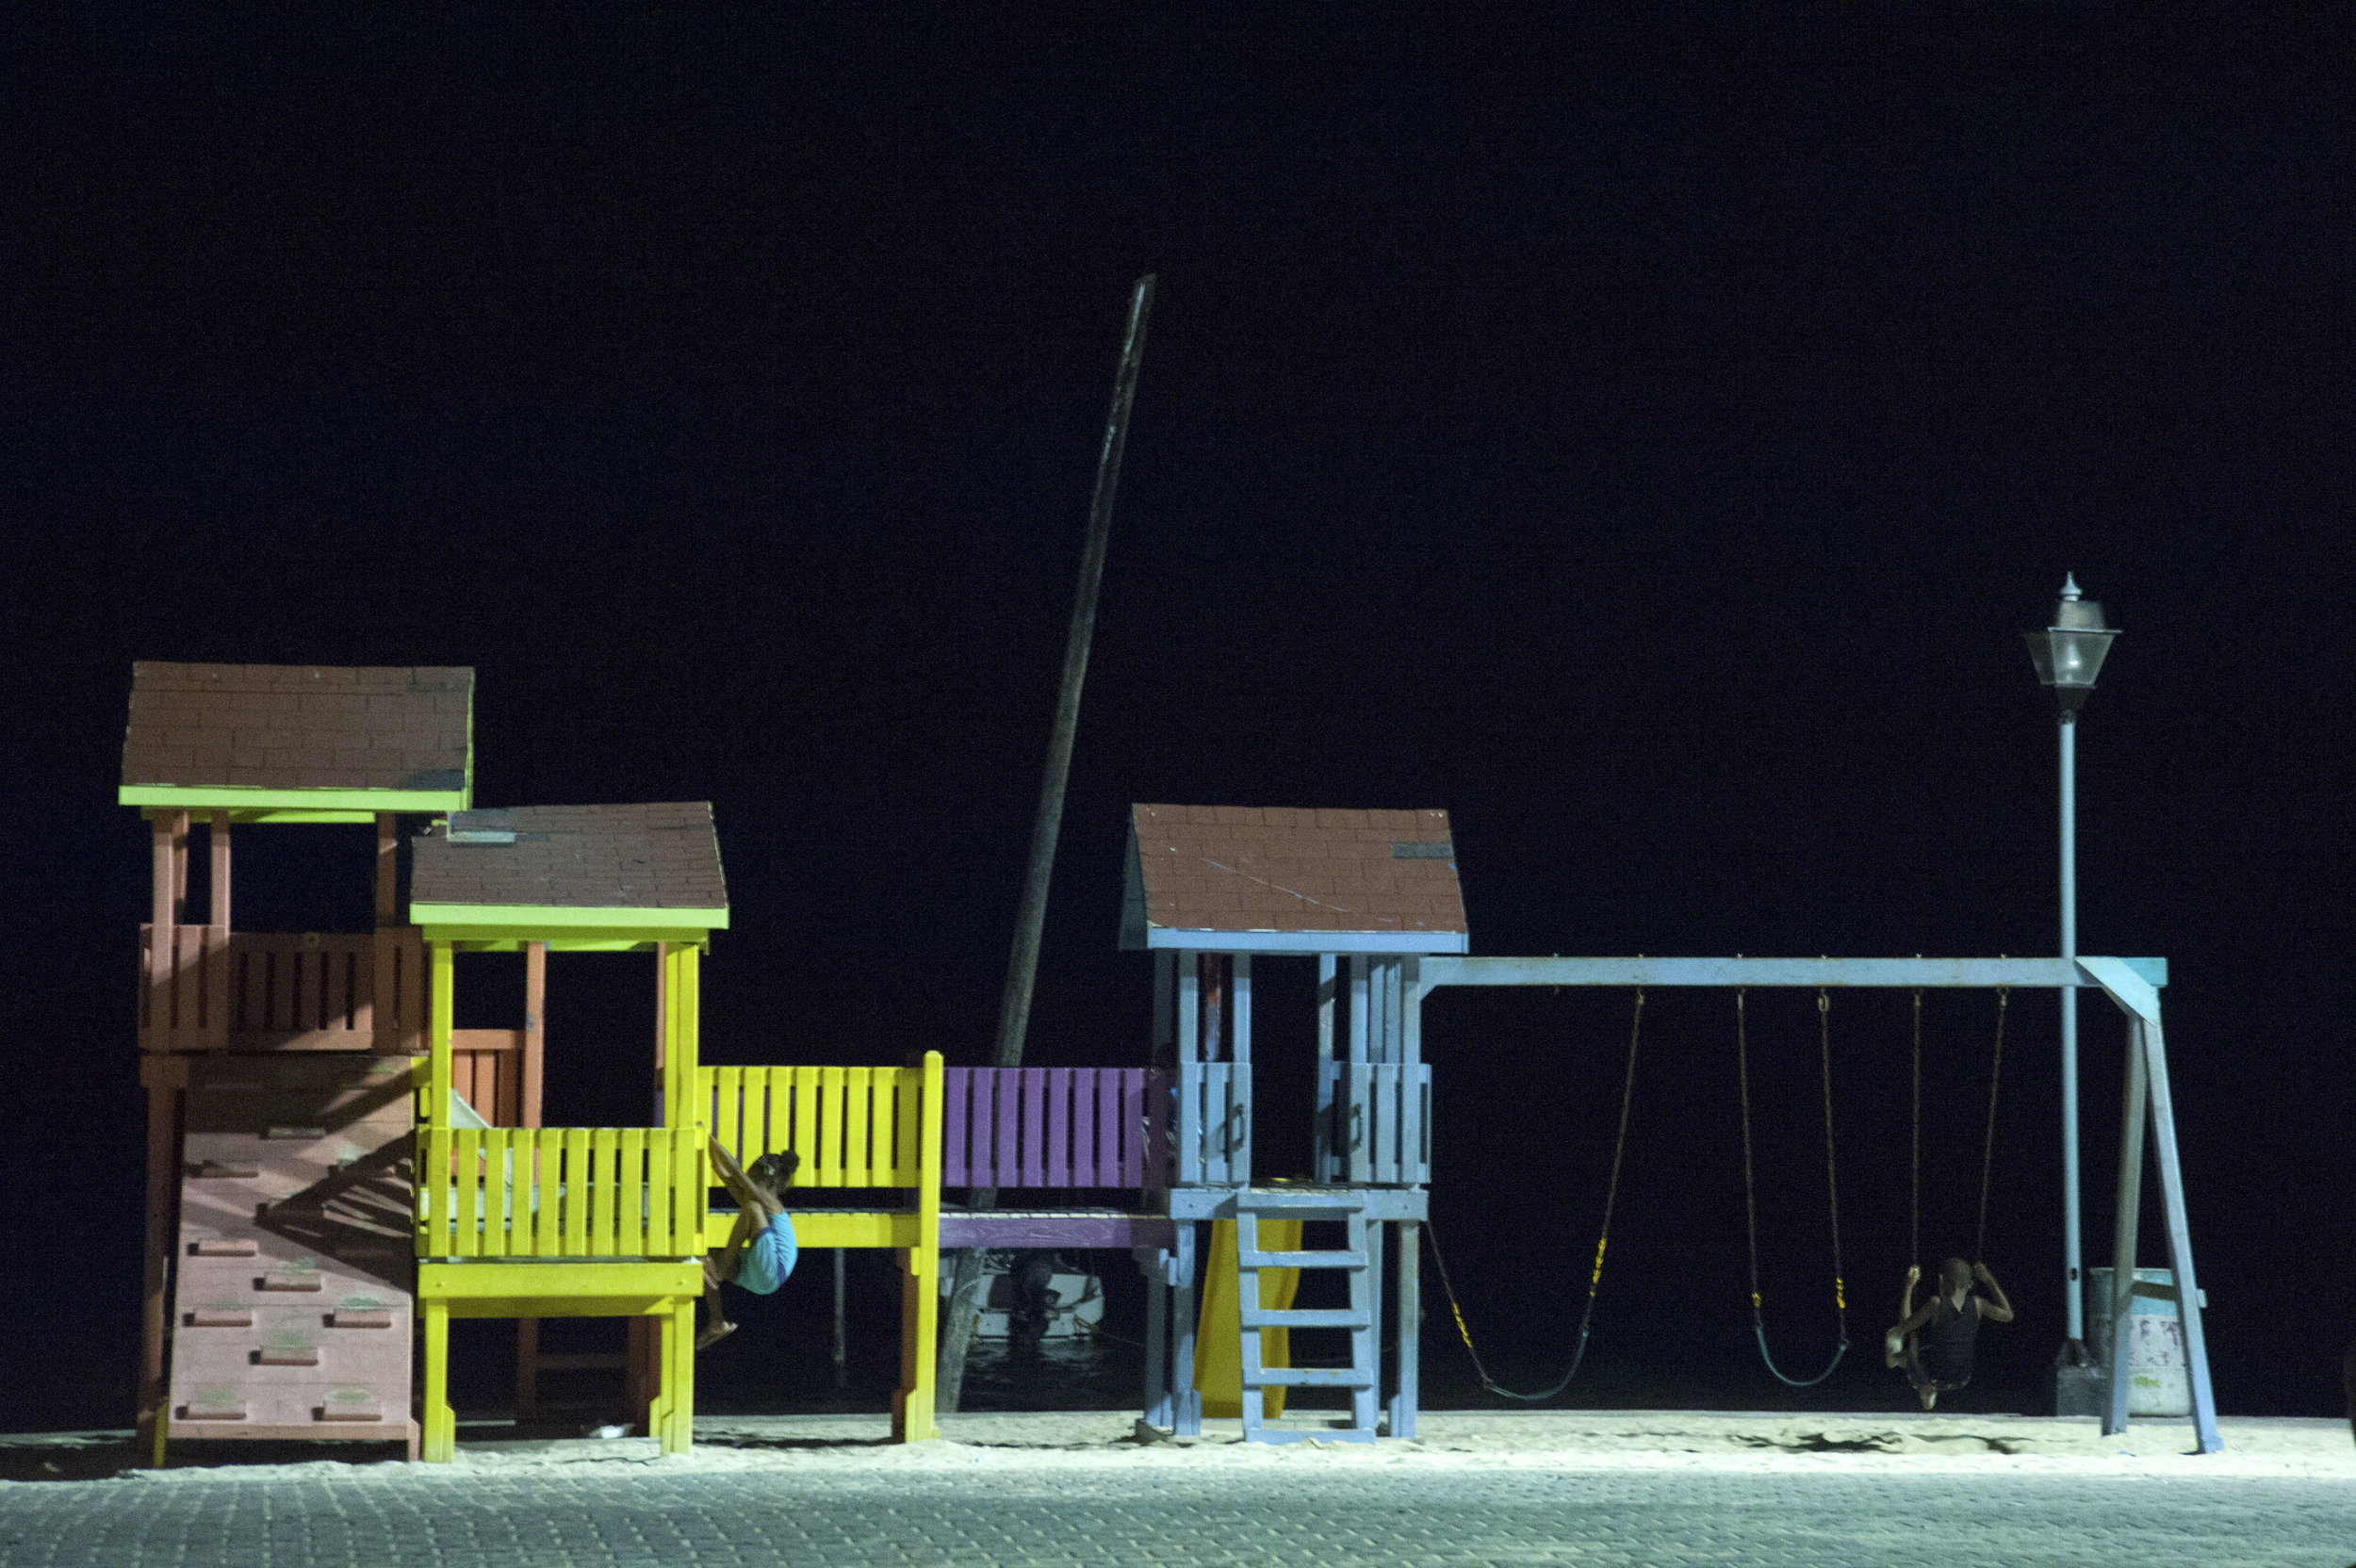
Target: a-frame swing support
2133,984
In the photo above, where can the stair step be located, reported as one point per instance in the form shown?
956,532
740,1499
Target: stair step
1304,1434
1305,1317
1336,1259
1335,1203
1307,1376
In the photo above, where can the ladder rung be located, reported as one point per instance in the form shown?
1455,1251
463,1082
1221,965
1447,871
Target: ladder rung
1307,1376
1305,1317
1300,1260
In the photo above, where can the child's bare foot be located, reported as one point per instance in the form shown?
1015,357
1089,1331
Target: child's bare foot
1930,1395
714,1335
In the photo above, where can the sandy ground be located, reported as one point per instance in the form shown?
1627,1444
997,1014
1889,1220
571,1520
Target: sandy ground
1068,1448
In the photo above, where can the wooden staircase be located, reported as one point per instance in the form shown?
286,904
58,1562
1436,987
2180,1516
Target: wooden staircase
1356,1259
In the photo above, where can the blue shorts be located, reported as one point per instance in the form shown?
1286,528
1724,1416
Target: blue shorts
769,1261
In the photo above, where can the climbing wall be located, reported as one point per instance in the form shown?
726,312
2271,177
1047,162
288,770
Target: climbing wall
291,1303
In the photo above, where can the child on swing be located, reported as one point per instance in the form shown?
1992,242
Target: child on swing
1939,1360
760,1249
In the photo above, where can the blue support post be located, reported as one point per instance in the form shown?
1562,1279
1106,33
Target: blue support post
1410,1308
1155,1265
1323,1166
1186,1401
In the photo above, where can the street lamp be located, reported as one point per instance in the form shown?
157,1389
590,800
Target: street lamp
2068,654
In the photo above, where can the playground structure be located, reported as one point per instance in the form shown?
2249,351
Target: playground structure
333,1164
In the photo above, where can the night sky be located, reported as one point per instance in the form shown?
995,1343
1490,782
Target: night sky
1646,440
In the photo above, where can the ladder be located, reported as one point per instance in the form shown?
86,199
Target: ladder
1355,1257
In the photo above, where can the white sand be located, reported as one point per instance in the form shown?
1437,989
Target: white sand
1065,1450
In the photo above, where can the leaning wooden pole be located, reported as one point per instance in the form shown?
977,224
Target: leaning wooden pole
1014,1010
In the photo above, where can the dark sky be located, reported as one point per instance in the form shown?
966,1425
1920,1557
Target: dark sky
1646,440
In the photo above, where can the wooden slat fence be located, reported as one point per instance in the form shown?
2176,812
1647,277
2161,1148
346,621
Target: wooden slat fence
562,1192
852,1126
1054,1127
1214,1123
270,991
1382,1121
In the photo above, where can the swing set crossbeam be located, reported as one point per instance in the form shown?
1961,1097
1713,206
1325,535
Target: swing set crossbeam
1811,974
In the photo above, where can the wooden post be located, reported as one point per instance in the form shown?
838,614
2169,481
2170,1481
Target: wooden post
1410,1308
387,868
180,910
1322,1165
396,988
217,936
162,938
164,1078
528,1114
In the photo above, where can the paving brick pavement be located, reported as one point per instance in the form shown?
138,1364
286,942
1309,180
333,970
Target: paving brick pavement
622,1516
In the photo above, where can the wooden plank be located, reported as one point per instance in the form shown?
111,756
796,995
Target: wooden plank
957,1088
605,1191
736,1094
857,1093
909,1116
1359,1136
547,1167
529,1096
1031,1145
1006,1113
574,1205
689,1183
1145,1109
465,1145
388,864
643,1213
1079,1135
433,1180
805,1081
1053,1155
830,1080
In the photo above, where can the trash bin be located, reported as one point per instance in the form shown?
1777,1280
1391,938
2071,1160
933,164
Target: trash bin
2159,1373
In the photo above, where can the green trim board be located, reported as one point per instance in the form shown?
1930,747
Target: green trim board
470,920
309,803
513,939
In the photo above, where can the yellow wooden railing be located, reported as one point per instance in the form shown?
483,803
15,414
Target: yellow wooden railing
561,1192
852,1126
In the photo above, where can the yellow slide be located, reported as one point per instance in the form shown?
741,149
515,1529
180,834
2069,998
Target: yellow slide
1218,1336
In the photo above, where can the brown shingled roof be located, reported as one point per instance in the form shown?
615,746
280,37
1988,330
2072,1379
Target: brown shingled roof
291,726
1244,868
662,856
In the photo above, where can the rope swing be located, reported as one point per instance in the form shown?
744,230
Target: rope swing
1594,1280
1750,1194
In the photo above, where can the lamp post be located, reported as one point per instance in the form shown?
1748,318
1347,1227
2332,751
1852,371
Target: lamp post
2067,654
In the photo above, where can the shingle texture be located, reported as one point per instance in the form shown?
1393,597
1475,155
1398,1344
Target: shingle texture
294,726
659,857
1249,868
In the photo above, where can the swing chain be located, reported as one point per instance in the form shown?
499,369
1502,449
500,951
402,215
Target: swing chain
1750,1195
1987,1146
1603,1237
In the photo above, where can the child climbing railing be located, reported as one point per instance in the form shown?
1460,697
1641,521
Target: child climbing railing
561,1192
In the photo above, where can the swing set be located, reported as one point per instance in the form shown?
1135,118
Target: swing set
1750,1198
2131,983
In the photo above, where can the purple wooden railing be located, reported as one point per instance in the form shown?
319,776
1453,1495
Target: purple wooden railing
1054,1127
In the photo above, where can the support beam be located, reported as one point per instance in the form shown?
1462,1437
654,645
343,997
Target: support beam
2128,1220
1894,973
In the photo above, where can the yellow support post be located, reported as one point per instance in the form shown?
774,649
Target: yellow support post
912,1418
441,970
438,1423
